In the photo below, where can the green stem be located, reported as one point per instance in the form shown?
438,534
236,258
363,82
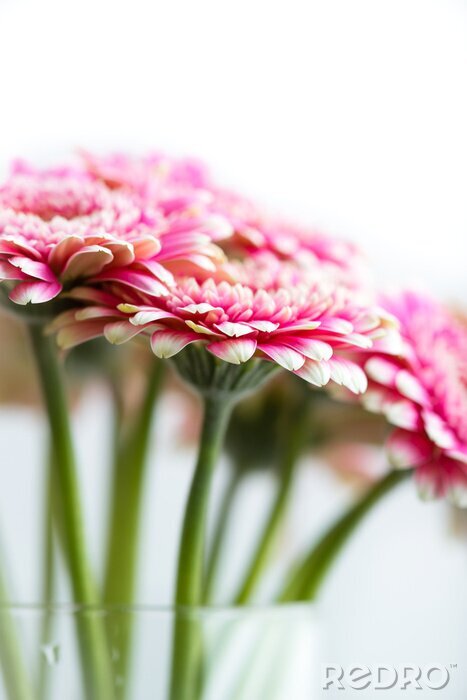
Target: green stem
15,678
91,632
125,516
220,531
189,589
48,580
128,483
294,438
308,576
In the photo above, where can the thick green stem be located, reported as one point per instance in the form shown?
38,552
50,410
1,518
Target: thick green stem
220,531
91,632
125,513
125,516
189,589
308,576
293,439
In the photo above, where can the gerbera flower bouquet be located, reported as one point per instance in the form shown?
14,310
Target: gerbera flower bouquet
141,267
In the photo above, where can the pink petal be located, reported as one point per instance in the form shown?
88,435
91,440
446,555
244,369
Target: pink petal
158,271
459,454
299,326
358,340
10,272
235,350
79,332
166,344
316,373
141,318
35,292
146,248
313,349
122,252
92,294
141,281
430,481
33,268
348,374
443,477
382,370
402,413
199,328
87,262
284,356
407,449
264,326
10,245
336,325
234,330
409,386
120,331
63,251
438,430
374,399
91,312
202,308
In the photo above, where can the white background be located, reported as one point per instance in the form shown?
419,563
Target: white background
349,114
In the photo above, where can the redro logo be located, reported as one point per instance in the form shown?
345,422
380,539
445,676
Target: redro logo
386,677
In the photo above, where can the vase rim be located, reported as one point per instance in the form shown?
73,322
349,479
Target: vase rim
280,608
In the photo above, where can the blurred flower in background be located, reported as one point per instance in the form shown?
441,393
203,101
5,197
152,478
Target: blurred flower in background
424,393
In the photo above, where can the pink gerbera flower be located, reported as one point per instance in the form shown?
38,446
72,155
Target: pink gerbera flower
159,181
61,226
307,326
424,393
157,177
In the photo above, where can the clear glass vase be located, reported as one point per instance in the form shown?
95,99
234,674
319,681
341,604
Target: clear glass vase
251,653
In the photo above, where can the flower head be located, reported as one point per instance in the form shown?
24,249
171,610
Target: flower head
169,184
306,325
424,393
165,181
62,226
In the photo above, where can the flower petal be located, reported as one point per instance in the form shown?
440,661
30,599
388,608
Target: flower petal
284,356
316,373
311,348
264,326
438,430
35,292
143,317
402,413
143,282
235,350
87,262
33,268
382,370
348,374
166,344
10,272
407,449
198,328
63,251
409,386
120,331
234,330
79,332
